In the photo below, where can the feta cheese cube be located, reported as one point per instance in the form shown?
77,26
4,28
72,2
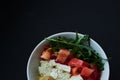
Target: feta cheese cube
59,72
54,73
63,67
44,69
52,63
63,76
77,77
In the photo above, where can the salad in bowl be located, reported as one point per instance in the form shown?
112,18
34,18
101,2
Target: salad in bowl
68,56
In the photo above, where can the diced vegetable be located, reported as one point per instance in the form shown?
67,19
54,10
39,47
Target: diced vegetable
77,63
46,78
96,74
75,71
62,55
46,54
91,78
53,56
86,72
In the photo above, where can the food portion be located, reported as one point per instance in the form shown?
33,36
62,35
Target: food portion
70,59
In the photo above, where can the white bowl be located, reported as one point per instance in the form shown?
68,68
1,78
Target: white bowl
33,62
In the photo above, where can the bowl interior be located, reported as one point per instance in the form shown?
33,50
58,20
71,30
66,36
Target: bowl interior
33,62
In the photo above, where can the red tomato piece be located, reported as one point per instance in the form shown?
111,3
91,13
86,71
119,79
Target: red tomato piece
86,72
77,63
53,56
62,55
46,55
91,78
71,56
96,74
75,71
46,47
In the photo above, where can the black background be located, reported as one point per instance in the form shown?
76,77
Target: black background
26,22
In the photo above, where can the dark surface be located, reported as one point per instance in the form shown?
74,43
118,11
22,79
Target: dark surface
26,23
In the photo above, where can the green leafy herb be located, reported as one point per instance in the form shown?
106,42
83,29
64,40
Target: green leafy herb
80,46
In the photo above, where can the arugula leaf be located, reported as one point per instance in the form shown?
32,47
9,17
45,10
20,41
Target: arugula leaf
76,37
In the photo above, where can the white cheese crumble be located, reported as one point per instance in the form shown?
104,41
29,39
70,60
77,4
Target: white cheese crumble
77,77
56,70
54,73
63,67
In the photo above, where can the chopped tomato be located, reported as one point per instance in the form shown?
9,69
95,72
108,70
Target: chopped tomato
96,74
71,56
86,72
91,78
53,56
46,47
77,63
46,55
62,55
75,71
